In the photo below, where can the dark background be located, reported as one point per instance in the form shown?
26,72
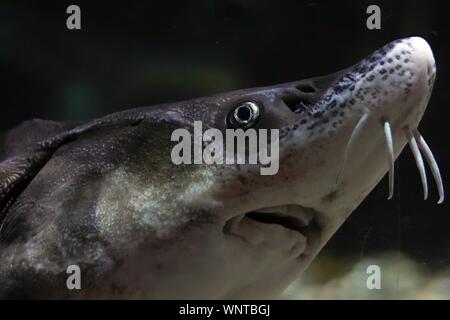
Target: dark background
140,53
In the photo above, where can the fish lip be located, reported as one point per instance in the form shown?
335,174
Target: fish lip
293,217
306,223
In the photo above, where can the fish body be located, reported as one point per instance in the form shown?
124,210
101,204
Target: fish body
106,196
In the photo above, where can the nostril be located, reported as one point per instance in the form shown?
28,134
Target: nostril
306,88
297,104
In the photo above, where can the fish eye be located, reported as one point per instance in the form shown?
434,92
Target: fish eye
244,115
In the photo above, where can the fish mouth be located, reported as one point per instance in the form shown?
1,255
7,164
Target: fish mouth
299,222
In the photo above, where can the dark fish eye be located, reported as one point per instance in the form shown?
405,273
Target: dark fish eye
244,115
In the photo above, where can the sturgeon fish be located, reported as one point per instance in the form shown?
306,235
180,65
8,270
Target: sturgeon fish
104,195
